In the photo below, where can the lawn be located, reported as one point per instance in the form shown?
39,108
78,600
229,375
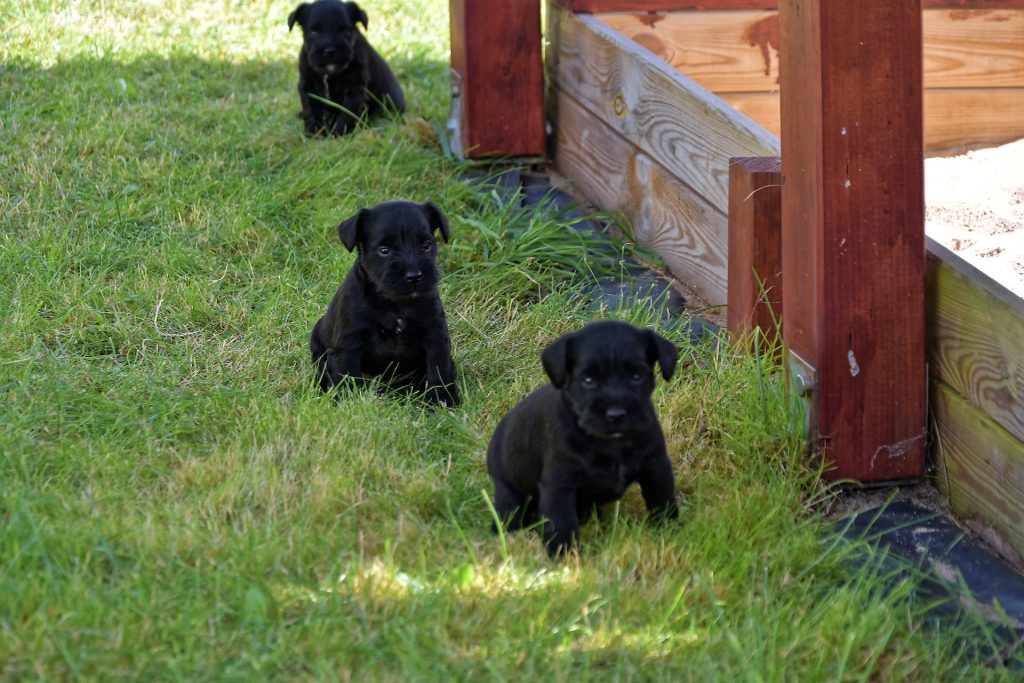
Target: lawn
177,503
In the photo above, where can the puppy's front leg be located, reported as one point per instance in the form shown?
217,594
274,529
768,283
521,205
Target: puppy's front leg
311,112
441,377
658,487
347,118
345,360
561,525
342,364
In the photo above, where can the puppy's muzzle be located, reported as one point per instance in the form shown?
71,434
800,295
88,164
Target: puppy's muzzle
329,59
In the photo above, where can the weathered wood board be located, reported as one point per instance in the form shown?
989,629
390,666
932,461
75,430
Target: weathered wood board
976,338
667,115
973,62
730,52
954,120
981,466
665,215
660,5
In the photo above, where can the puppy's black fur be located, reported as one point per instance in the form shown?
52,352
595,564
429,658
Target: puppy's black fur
338,64
386,319
581,440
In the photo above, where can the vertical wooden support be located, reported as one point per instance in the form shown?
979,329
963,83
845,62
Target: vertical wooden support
755,245
853,249
497,78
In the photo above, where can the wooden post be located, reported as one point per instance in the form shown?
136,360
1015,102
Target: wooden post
755,245
853,249
497,79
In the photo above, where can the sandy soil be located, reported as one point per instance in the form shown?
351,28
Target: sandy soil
975,207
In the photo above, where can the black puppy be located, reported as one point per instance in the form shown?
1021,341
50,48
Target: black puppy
581,440
386,319
337,64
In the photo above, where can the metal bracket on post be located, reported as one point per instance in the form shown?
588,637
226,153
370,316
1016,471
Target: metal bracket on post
454,124
802,380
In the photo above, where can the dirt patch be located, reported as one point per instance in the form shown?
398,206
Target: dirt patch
975,208
851,501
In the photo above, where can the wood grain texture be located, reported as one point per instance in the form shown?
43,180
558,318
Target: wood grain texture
737,51
668,116
853,228
981,465
665,215
663,5
975,334
498,82
755,245
957,120
954,120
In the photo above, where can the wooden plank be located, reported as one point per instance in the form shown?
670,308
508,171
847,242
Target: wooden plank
730,52
954,120
664,5
755,245
853,228
975,330
958,120
666,215
723,51
498,78
673,120
974,48
761,107
981,467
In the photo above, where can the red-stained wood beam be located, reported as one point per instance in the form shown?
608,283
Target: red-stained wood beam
755,245
663,5
497,78
853,229
668,5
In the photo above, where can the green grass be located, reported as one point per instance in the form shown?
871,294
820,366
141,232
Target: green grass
177,503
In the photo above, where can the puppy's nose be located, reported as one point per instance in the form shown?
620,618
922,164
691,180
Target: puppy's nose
413,276
615,414
329,51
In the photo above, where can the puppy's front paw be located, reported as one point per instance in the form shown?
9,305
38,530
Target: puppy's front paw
343,125
561,542
447,396
312,127
560,549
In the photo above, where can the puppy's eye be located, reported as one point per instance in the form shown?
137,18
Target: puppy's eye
314,34
427,245
588,382
383,251
637,378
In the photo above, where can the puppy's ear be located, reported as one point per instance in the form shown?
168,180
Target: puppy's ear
557,360
299,16
435,219
351,229
355,14
661,350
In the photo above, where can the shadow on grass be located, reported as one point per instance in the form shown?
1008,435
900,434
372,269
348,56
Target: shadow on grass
199,101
